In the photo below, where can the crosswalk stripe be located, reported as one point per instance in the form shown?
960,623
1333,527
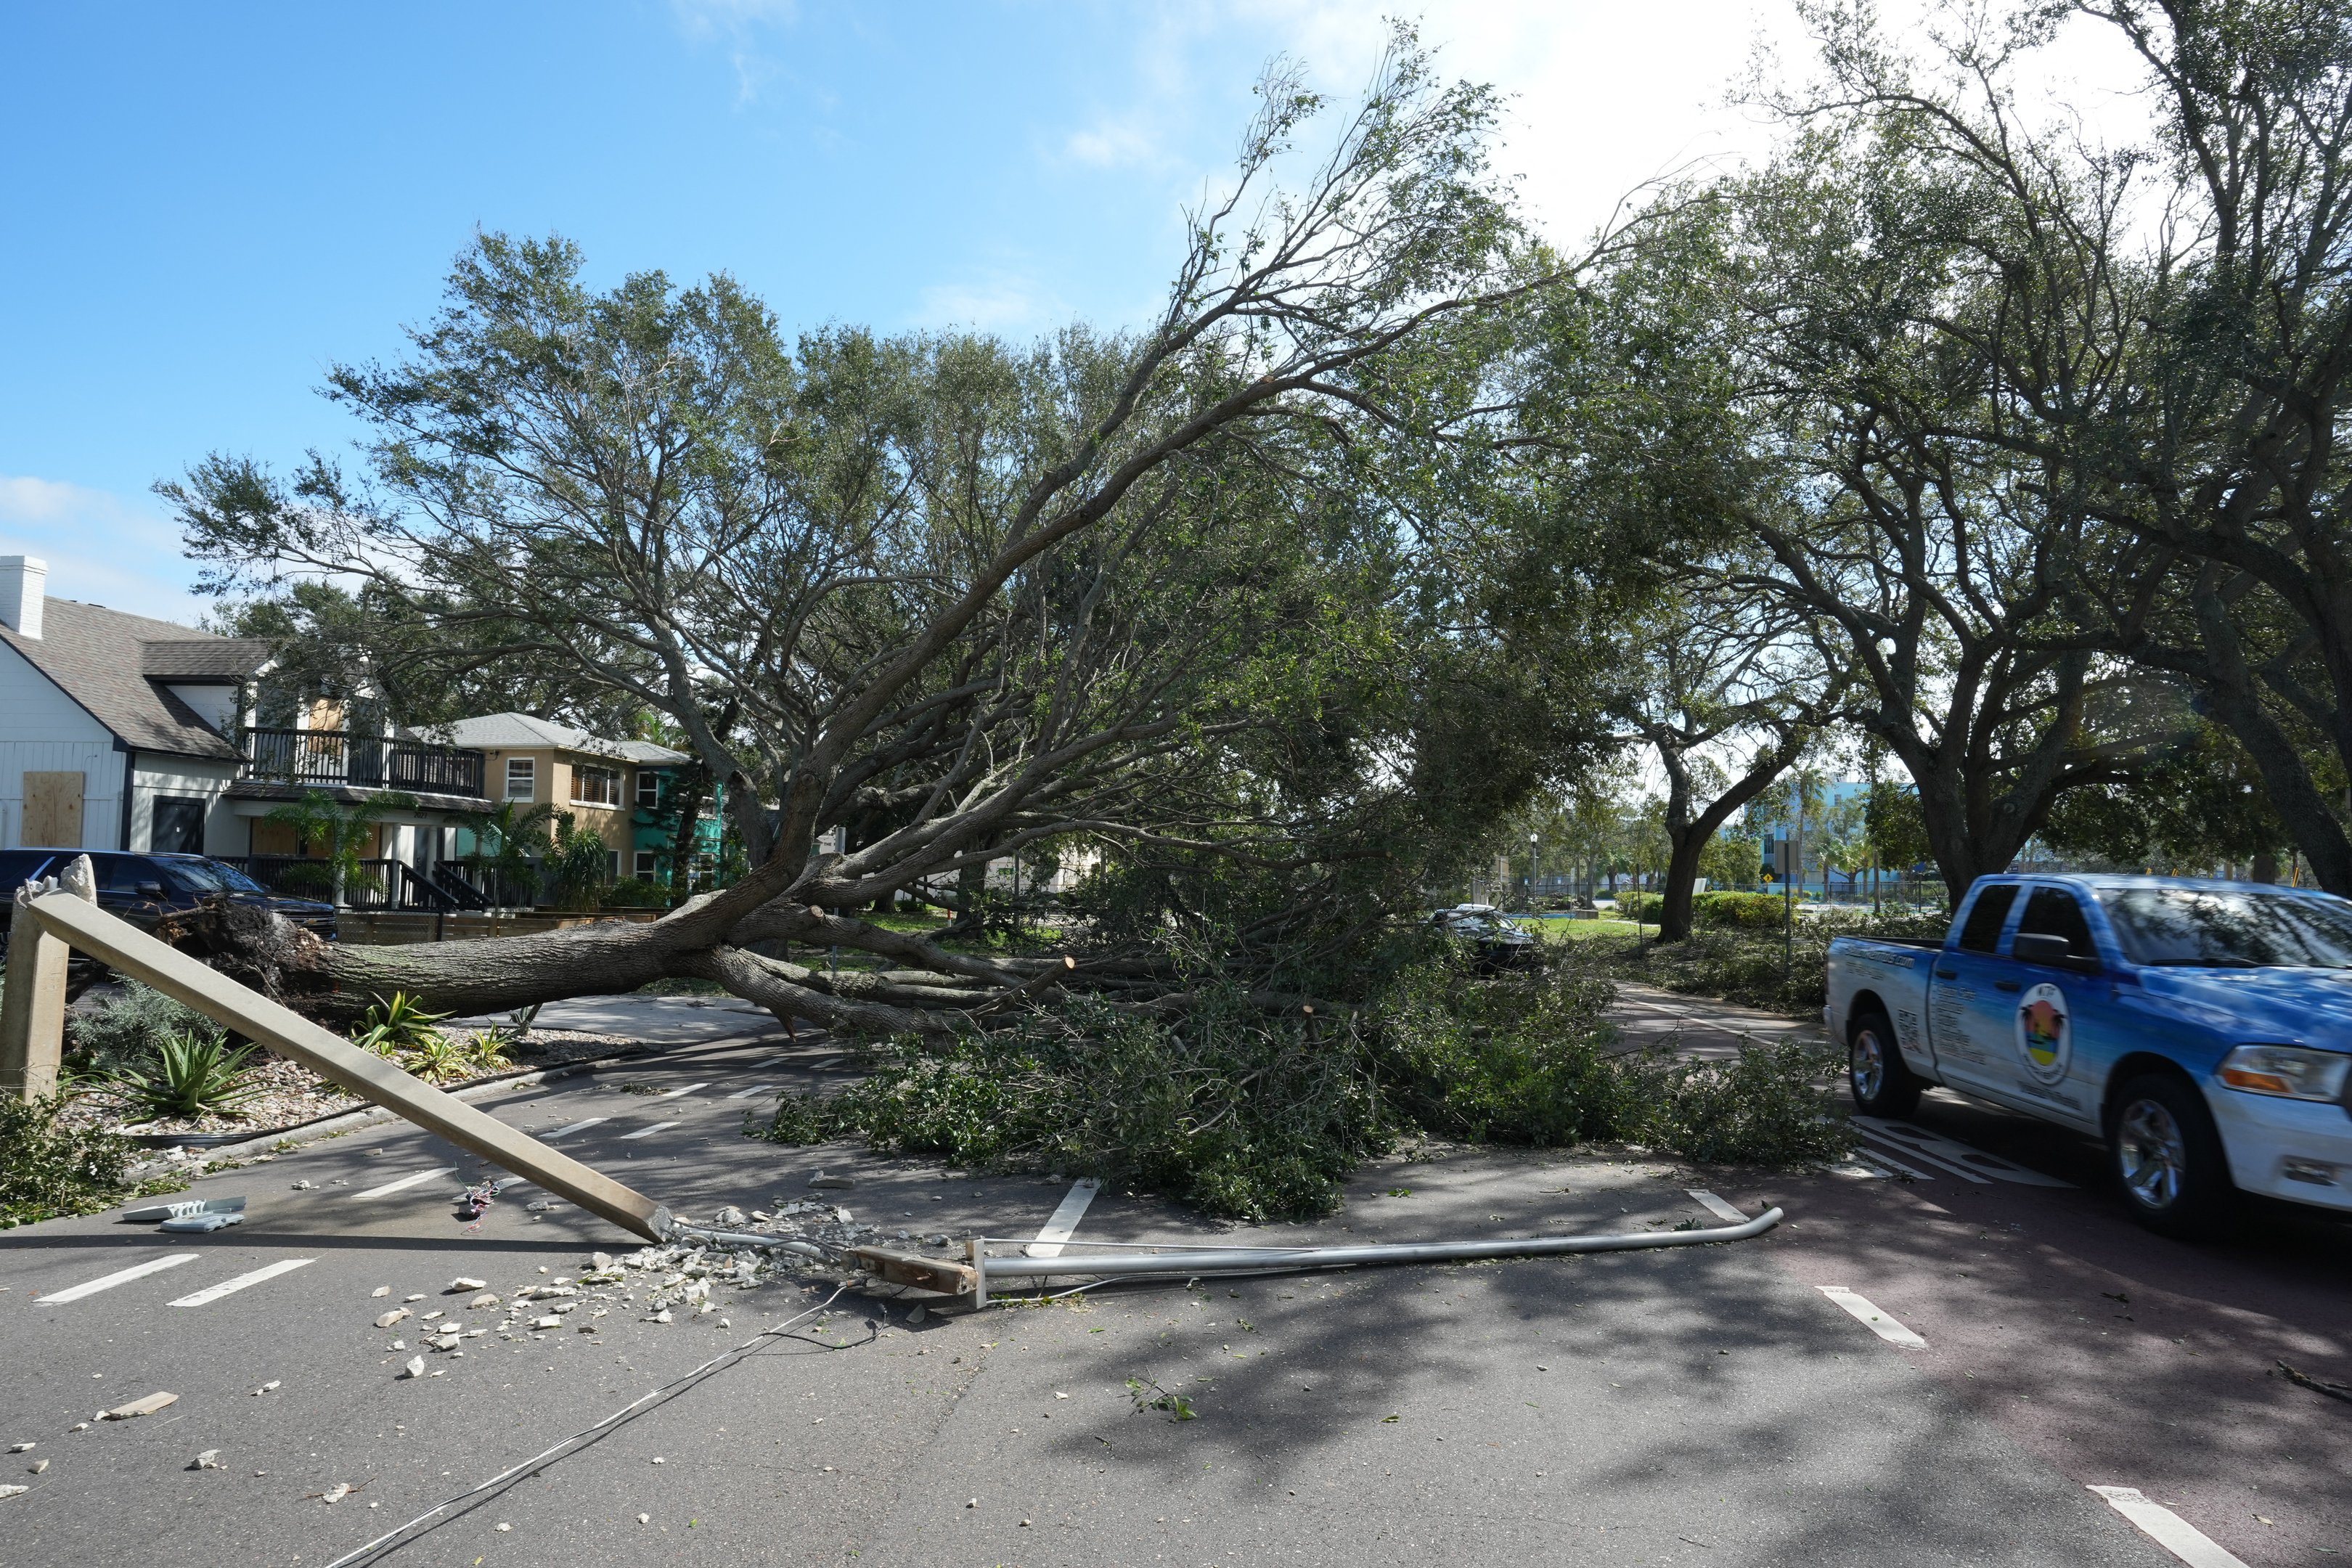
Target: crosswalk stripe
748,1093
231,1286
120,1277
390,1187
689,1088
648,1132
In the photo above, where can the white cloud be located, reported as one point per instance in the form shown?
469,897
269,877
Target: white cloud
737,23
101,548
1007,303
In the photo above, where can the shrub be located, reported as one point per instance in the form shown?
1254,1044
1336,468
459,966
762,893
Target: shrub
1765,1108
123,1031
486,1051
394,1028
1633,906
48,1170
1738,911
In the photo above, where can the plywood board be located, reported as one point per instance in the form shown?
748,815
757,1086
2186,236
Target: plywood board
53,811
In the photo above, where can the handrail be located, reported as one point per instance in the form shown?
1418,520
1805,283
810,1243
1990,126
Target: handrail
360,761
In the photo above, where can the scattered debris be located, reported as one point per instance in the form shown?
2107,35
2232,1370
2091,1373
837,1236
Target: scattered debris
209,1459
381,1291
301,1186
645,1519
21,1447
416,1367
200,1224
396,1315
79,1426
917,1313
2317,1385
545,1206
336,1493
12,1491
602,1262
265,1388
822,1180
185,1208
418,1297
485,1300
731,1216
503,1526
460,1285
138,1407
38,1465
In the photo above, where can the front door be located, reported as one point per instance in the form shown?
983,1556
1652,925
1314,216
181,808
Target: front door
1971,1002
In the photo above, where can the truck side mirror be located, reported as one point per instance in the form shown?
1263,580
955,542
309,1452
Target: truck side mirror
2035,947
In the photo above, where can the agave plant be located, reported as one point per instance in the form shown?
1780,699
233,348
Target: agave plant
195,1075
486,1051
397,1027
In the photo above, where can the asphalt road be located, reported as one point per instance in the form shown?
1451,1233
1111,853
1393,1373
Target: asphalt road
1705,1406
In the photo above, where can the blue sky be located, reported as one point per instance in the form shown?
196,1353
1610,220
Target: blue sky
206,205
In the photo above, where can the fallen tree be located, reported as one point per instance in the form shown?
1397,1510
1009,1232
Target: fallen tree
947,600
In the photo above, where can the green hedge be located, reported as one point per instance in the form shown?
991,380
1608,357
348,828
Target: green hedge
1631,906
1738,911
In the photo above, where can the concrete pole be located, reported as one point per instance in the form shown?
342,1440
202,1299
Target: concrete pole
289,1034
33,1012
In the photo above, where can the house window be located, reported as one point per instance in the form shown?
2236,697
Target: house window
647,866
595,787
522,778
648,790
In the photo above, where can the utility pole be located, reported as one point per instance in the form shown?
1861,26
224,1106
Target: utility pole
1533,867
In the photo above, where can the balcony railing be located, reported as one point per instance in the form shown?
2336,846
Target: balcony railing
333,757
369,885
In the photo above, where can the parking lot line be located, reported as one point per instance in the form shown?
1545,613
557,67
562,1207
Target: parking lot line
648,1132
1064,1223
748,1093
674,1093
1951,1153
390,1187
1876,1321
575,1127
1716,1206
1955,1167
2168,1530
120,1277
1889,1162
212,1293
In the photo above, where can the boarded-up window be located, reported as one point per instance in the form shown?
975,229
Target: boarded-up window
53,811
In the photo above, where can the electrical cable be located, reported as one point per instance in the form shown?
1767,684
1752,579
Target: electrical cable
547,1455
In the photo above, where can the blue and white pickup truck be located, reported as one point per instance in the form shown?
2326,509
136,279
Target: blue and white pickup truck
2203,1029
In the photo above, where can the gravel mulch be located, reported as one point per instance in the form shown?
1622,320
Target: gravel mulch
292,1094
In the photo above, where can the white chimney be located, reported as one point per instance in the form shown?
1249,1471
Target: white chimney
24,589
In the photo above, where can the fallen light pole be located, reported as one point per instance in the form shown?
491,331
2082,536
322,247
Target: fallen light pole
973,1277
32,1021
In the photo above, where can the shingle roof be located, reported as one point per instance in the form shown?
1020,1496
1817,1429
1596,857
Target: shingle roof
114,665
522,732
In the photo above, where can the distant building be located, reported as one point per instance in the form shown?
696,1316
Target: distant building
618,790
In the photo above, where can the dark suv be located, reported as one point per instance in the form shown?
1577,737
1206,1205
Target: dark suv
147,890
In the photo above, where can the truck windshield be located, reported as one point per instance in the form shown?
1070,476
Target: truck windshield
209,877
2196,927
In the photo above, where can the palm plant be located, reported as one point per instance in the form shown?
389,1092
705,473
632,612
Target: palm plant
580,865
341,836
508,841
192,1077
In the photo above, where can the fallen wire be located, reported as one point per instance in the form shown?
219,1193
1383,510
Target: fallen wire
2304,1380
546,1457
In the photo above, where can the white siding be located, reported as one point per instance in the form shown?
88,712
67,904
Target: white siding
43,731
197,777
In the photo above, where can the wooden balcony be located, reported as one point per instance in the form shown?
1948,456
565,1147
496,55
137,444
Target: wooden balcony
334,759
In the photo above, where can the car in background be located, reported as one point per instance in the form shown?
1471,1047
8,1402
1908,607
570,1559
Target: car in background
1494,941
148,890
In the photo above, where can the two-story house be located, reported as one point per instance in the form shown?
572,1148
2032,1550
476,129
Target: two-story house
121,731
605,785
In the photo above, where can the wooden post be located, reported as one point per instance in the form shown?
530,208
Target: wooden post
33,1011
290,1035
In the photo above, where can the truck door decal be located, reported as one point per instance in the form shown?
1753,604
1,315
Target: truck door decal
2045,1038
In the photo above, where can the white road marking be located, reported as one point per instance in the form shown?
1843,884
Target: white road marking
1877,1157
231,1286
576,1127
1059,1228
2168,1530
689,1088
1918,1154
1716,1206
120,1277
755,1089
390,1187
1952,1154
648,1132
1878,1323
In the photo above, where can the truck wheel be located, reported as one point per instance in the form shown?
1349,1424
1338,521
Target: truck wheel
1881,1082
2168,1157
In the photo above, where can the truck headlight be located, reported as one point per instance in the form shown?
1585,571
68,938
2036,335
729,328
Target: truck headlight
2292,1071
